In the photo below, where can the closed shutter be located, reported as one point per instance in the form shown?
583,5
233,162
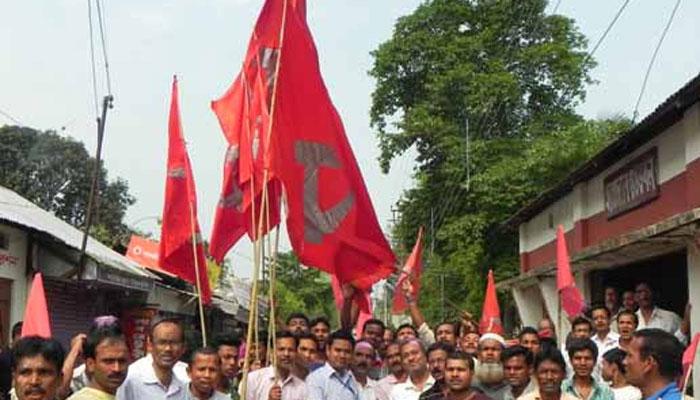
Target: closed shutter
71,309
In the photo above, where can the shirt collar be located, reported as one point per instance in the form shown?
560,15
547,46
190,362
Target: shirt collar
568,386
670,388
429,383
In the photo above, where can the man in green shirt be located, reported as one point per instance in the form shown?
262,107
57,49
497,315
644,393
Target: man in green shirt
583,354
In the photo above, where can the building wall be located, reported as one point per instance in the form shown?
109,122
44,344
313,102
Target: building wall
13,268
582,211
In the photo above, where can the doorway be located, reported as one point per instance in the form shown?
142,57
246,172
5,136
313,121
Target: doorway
5,293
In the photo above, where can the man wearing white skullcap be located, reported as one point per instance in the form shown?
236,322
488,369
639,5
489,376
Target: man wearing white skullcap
489,373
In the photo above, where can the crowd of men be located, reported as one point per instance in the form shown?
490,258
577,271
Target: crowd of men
626,352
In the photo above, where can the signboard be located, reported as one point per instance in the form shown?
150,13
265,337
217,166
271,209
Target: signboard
135,324
633,185
143,251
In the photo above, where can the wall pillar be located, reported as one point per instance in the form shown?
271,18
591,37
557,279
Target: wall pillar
550,295
693,266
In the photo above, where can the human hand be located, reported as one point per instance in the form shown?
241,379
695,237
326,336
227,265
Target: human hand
275,393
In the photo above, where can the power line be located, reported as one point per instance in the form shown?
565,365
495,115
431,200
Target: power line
608,29
100,17
556,8
92,60
10,117
653,59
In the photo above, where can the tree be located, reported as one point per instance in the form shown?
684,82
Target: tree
55,173
506,76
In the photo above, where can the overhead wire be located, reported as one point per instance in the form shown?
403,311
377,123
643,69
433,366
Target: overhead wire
92,60
10,117
608,29
653,59
101,18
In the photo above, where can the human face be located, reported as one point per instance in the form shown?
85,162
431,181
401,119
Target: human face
446,333
581,331
628,301
108,368
373,333
458,375
582,363
393,359
229,360
531,342
607,372
203,372
320,332
339,354
35,378
549,376
362,360
168,345
388,337
490,351
610,297
637,368
601,321
298,326
413,358
470,343
307,351
436,363
405,333
286,352
546,326
516,371
643,295
626,326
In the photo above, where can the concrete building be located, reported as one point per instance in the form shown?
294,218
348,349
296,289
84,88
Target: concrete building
631,213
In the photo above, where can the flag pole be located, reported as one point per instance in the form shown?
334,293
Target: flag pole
197,276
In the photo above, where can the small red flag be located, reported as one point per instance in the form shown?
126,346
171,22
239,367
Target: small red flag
491,312
331,222
244,115
688,359
36,314
571,299
411,272
363,300
177,254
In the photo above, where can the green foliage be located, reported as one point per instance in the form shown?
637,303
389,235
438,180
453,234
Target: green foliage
515,75
302,289
55,173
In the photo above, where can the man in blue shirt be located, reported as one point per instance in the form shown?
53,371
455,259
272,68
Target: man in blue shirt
653,363
334,381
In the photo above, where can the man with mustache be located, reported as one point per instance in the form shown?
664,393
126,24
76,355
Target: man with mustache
415,363
626,325
307,356
362,361
106,363
321,328
437,357
204,370
517,369
550,370
397,374
529,339
459,369
654,363
36,368
583,354
489,372
272,383
157,381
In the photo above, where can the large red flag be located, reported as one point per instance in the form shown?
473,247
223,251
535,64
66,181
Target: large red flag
570,297
244,115
363,300
331,222
36,313
411,272
491,312
177,254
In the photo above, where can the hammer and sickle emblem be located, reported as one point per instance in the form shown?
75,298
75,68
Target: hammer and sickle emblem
317,223
234,199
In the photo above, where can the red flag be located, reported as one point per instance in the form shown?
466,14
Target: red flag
491,313
177,254
36,314
244,115
571,299
411,271
689,359
363,300
331,222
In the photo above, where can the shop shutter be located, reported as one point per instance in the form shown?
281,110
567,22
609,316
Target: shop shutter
71,309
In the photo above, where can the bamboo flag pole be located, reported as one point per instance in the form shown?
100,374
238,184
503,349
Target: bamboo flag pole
198,277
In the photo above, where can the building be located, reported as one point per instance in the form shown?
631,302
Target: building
34,240
631,214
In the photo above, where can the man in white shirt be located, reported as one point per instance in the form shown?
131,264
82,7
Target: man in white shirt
362,360
415,362
158,382
651,316
274,384
604,337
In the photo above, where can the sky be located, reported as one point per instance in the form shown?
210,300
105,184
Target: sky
46,81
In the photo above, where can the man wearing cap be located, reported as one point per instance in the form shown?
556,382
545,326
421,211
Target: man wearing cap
489,372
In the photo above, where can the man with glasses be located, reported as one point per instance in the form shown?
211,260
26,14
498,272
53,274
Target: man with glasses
158,381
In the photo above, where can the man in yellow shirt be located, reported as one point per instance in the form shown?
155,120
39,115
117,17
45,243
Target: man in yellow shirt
106,362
